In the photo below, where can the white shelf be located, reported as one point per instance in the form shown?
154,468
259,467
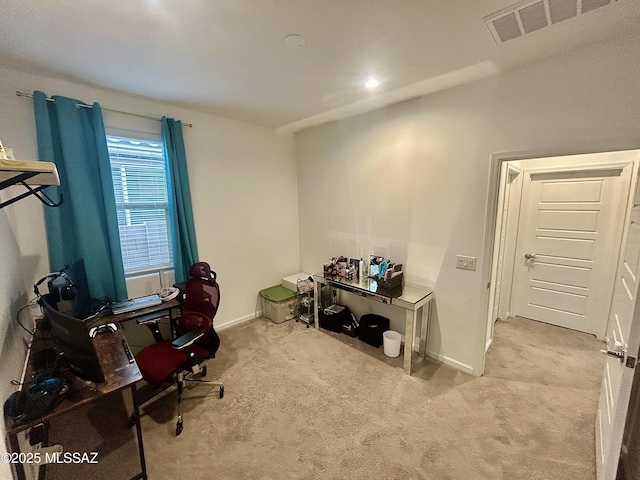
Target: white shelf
42,173
29,173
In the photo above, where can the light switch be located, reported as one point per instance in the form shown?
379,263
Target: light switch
465,263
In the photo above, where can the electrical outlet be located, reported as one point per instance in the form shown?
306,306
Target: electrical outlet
466,263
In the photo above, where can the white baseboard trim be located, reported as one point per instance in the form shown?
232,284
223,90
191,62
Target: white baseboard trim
451,362
442,358
488,345
237,321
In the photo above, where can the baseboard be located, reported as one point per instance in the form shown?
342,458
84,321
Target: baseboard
442,358
237,321
451,362
488,345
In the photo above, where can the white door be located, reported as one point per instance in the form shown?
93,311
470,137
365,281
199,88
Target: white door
568,243
623,336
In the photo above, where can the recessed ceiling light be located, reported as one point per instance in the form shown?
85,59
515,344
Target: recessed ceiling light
294,41
371,83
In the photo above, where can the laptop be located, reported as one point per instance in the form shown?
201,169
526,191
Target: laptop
135,304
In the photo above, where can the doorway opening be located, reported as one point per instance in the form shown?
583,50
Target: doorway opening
557,224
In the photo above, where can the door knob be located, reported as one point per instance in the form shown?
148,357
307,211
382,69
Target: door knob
619,352
614,353
530,256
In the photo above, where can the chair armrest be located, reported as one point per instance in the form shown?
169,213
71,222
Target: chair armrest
187,340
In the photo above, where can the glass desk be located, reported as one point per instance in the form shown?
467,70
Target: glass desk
416,301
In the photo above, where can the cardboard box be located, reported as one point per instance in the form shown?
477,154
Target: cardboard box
291,282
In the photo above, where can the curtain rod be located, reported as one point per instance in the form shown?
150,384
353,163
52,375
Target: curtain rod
28,95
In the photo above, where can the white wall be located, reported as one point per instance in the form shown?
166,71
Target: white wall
411,181
14,296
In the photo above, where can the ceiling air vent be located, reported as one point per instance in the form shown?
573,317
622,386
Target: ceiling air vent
531,15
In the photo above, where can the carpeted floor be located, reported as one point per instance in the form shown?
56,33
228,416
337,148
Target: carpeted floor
305,404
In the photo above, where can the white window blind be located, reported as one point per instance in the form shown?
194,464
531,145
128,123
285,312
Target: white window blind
139,181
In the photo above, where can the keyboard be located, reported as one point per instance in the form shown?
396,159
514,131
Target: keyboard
135,304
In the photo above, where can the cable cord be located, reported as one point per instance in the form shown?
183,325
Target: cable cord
33,302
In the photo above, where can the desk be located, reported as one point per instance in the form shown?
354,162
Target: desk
119,374
412,299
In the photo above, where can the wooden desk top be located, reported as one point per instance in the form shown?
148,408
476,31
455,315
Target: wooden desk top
118,372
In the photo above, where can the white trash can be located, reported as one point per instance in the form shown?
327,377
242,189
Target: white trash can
391,341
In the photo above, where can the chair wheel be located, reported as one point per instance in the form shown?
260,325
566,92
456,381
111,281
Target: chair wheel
179,427
221,391
203,371
132,420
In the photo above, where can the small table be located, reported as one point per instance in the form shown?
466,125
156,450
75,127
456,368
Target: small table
411,299
119,374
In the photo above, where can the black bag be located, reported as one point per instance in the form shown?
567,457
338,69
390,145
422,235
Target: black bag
24,406
332,318
350,329
372,327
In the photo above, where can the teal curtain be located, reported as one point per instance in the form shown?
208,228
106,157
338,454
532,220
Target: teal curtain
185,250
85,226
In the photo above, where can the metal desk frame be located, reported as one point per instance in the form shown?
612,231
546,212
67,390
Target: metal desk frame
412,299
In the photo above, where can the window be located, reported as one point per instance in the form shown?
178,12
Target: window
138,169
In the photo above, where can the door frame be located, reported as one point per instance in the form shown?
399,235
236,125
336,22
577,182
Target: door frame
511,194
489,266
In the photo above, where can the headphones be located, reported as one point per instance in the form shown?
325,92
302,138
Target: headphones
60,286
168,293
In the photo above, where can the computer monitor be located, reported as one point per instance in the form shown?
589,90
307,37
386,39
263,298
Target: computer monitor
73,343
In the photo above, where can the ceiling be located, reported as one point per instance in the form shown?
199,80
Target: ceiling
229,58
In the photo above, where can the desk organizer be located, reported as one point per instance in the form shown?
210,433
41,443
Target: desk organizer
393,282
372,327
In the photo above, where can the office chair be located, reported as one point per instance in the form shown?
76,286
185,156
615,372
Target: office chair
183,358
